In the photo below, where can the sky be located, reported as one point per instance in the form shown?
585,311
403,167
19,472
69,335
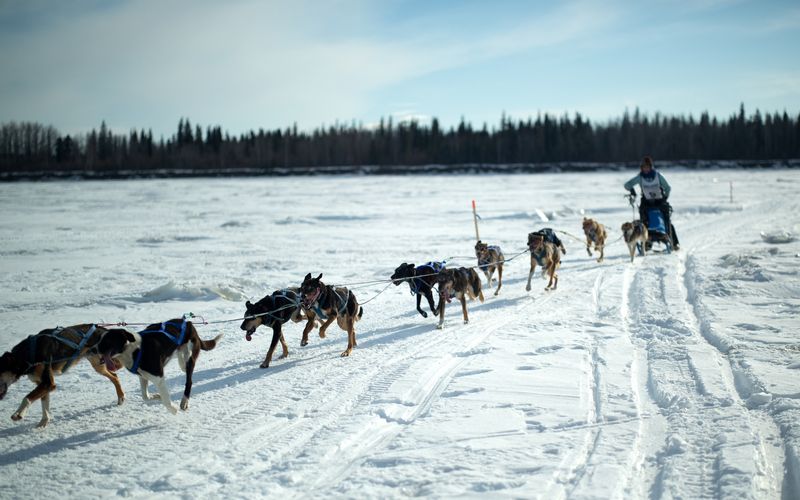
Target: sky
246,65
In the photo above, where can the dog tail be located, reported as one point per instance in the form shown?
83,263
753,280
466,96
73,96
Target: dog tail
360,311
207,345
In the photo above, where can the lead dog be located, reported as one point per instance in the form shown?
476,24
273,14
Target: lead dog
490,259
328,303
273,311
147,352
547,255
595,235
460,283
635,234
420,280
49,353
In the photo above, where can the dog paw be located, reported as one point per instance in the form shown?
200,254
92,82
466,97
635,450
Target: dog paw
321,334
345,354
16,417
43,423
528,288
184,404
120,401
424,314
172,409
439,326
303,343
154,396
264,365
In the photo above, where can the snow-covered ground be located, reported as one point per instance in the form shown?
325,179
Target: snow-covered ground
677,376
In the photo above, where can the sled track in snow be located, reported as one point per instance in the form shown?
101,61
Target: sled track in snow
316,437
692,384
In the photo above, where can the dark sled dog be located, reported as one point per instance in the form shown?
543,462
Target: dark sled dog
635,235
460,283
547,255
421,280
147,352
273,311
49,353
327,304
595,235
490,259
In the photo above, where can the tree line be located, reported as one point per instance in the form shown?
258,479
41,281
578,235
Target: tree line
28,147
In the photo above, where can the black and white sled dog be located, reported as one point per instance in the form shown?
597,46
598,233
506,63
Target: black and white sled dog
147,352
273,311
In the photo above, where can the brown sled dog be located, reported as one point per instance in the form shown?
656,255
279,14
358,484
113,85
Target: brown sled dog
327,303
545,254
635,234
49,353
273,311
147,352
595,235
490,258
460,283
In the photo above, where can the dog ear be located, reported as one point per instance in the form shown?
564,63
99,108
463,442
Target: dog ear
248,304
308,277
129,336
320,276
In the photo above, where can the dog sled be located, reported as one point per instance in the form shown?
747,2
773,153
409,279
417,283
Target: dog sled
657,230
659,227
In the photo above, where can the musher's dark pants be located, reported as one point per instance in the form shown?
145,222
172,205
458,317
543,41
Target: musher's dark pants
666,211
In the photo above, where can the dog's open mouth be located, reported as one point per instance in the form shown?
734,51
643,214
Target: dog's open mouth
249,334
112,364
310,298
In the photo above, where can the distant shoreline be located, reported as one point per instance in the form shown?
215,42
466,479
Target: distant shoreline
526,168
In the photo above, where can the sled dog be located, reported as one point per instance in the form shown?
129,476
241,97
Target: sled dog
490,259
47,354
547,255
273,311
635,233
595,235
327,304
147,352
460,283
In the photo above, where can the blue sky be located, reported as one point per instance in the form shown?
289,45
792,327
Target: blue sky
247,64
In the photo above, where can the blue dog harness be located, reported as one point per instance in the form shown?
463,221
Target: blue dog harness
416,283
163,330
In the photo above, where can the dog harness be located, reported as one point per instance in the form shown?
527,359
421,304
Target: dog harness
484,262
538,256
57,335
416,282
294,301
163,330
341,309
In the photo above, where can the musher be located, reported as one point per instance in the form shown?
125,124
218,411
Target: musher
655,191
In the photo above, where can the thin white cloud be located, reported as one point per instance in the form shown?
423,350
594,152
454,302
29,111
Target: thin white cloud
242,63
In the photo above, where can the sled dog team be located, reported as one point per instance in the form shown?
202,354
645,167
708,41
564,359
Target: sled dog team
52,352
